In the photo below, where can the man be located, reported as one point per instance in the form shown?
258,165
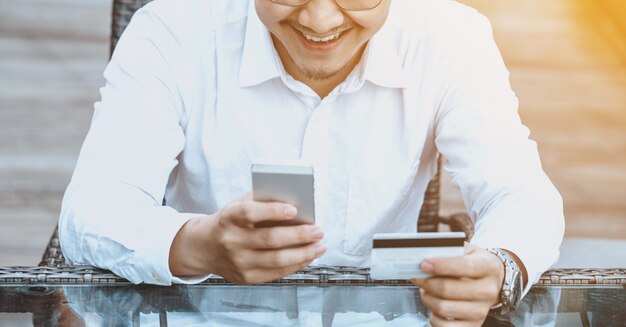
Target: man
368,90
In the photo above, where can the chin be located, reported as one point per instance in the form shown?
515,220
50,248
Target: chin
321,71
318,74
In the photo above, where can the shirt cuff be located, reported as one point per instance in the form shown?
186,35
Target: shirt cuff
190,280
532,233
149,263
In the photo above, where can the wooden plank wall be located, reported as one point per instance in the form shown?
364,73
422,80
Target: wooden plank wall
52,54
610,18
572,88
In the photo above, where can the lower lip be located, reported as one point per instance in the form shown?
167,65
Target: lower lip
320,46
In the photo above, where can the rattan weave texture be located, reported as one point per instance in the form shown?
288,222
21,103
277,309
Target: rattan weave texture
309,275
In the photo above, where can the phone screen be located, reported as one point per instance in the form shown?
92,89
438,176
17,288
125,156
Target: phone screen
291,183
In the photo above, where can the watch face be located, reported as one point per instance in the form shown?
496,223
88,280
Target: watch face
511,293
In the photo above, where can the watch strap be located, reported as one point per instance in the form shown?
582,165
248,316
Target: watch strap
511,290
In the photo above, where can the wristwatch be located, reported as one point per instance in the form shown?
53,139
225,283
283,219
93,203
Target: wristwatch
512,287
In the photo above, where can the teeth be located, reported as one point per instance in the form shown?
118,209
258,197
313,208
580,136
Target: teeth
321,39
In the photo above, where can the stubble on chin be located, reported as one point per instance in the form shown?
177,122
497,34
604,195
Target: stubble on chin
319,74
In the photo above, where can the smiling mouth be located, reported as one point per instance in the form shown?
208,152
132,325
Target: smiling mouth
326,38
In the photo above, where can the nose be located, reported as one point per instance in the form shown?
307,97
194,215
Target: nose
321,15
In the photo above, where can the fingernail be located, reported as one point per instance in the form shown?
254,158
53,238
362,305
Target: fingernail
426,267
316,233
320,249
290,211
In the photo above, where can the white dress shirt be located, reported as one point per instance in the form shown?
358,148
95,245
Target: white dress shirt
195,91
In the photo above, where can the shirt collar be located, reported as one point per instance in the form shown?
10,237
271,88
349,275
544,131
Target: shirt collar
259,60
383,65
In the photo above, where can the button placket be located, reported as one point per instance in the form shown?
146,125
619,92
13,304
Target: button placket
315,149
315,140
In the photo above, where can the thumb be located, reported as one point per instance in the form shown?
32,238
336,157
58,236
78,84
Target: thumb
469,248
245,197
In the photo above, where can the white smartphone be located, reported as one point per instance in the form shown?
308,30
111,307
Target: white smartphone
289,181
399,255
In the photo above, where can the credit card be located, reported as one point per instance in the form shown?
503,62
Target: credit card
399,255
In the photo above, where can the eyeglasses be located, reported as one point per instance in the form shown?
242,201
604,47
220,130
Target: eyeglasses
351,5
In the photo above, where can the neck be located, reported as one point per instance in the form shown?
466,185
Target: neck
324,86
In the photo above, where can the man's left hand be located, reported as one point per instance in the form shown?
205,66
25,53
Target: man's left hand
461,290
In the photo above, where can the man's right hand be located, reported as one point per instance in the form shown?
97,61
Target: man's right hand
227,243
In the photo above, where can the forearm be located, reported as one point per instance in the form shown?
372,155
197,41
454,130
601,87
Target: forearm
183,258
115,227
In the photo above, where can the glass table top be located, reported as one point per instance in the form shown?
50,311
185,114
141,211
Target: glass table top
284,305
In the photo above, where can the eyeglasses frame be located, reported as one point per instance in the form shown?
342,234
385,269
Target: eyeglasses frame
336,1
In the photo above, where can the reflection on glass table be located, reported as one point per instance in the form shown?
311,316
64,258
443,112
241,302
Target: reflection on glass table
288,305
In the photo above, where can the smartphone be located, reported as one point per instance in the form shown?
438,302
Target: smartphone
289,181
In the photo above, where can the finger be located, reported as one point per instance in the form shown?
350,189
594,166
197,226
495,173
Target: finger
245,197
477,264
419,282
437,321
285,271
284,258
283,236
469,248
247,213
459,310
463,289
261,275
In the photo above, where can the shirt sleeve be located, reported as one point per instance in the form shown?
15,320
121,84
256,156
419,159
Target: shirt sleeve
490,156
113,215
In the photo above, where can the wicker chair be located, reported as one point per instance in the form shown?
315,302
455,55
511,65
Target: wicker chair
429,218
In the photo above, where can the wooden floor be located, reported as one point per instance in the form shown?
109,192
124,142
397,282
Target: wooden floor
570,82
